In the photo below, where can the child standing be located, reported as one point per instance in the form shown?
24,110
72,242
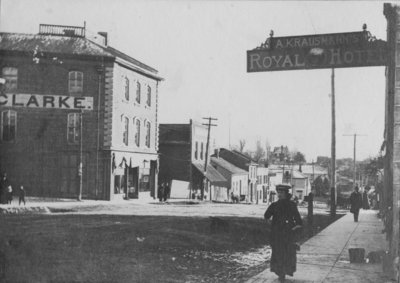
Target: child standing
22,195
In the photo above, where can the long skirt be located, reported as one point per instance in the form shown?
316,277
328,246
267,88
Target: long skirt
283,259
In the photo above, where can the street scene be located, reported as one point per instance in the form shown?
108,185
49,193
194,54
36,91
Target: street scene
199,141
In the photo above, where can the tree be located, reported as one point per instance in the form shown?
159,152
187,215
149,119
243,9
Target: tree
242,144
372,168
326,186
259,153
299,158
318,186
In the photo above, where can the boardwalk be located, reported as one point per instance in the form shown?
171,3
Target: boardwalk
325,257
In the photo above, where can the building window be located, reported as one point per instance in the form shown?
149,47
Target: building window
125,133
137,133
201,151
148,102
10,74
138,90
73,134
75,82
127,89
148,134
8,125
196,151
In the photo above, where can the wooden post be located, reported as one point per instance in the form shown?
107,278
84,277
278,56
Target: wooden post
333,148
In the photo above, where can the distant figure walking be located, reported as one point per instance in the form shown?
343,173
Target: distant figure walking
166,191
9,194
285,221
355,203
4,184
365,200
22,194
160,192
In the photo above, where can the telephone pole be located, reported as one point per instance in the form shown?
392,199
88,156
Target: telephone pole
354,156
209,125
333,148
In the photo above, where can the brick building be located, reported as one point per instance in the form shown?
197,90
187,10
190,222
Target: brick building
58,80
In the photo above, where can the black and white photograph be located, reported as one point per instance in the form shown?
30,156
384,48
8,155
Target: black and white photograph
186,141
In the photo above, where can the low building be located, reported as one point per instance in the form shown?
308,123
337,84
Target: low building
237,179
245,163
262,184
313,171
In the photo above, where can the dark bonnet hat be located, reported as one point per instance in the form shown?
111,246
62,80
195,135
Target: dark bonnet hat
283,187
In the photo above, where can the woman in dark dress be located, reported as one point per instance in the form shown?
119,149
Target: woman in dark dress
285,221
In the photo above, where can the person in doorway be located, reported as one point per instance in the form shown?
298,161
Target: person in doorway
21,195
160,192
355,203
166,191
4,184
286,221
365,200
9,194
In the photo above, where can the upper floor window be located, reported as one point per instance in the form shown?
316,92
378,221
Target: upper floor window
138,90
126,131
148,102
196,151
127,89
75,82
73,131
201,151
137,133
8,125
148,134
10,74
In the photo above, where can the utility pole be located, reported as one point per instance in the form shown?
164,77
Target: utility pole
80,169
209,125
333,148
354,156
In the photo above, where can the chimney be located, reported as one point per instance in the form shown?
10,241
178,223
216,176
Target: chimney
105,37
300,168
216,151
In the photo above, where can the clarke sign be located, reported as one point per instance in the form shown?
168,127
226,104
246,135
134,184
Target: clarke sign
337,50
46,101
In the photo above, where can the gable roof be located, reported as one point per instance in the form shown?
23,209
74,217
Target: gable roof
46,44
50,44
227,166
212,174
239,160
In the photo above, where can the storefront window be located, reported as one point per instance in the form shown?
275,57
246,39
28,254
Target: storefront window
144,179
8,125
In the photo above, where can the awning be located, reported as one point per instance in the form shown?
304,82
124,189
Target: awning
212,175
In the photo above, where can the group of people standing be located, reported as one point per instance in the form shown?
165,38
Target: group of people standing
6,191
164,191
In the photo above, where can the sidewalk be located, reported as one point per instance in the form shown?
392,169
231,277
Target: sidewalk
325,257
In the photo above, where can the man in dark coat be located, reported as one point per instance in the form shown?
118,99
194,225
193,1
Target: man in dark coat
4,184
285,221
355,203
365,200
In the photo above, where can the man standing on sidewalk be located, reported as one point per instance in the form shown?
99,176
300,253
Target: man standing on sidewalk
356,203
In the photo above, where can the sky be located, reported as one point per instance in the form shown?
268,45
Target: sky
199,48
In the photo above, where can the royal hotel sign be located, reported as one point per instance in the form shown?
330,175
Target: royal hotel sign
335,50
